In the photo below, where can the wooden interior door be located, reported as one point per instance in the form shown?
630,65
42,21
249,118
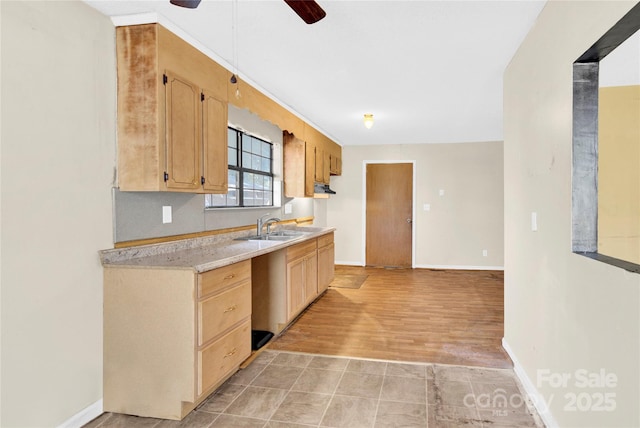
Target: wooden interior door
389,213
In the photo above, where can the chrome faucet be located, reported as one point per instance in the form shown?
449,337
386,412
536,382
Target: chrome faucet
261,222
269,222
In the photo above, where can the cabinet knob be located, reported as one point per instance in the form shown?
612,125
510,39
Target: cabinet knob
230,276
232,353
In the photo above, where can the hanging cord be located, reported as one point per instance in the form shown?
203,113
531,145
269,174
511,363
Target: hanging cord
234,45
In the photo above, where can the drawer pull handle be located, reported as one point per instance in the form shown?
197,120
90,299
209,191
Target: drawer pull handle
231,308
232,353
230,276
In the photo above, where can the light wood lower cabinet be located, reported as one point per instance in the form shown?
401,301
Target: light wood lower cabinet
302,277
284,282
223,356
326,261
171,336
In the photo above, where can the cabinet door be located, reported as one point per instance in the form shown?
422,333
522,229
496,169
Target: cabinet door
214,144
335,167
299,167
326,266
322,161
184,133
295,287
326,167
319,169
310,170
310,278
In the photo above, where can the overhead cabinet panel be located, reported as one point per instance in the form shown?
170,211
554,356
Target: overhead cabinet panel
168,137
171,132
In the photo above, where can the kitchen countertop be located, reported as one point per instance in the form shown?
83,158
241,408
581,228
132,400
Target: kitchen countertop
202,254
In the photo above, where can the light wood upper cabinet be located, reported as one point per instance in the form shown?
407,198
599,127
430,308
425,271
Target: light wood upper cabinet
184,133
321,165
318,172
335,162
299,167
172,114
306,164
215,162
157,135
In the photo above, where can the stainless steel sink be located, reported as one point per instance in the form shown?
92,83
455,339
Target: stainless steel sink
287,232
265,238
278,235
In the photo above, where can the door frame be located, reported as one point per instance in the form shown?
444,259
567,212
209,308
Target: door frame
364,207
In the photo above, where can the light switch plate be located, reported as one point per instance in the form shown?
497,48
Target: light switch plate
441,192
426,207
534,221
166,214
288,208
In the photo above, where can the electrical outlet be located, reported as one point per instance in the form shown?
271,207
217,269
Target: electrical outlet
441,192
485,253
166,214
288,208
534,221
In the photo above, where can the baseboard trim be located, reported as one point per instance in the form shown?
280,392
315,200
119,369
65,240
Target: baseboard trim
349,263
538,400
459,267
444,267
84,416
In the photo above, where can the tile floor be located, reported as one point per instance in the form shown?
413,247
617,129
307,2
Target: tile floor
288,390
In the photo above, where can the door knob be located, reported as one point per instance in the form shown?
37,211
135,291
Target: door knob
409,221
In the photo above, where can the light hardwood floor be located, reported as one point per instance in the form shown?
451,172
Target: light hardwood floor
419,315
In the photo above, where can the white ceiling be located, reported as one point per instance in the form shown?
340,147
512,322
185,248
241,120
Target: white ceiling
430,71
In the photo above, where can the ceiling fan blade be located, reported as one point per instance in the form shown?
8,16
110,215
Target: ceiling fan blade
308,10
189,4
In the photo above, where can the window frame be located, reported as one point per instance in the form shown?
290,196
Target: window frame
242,137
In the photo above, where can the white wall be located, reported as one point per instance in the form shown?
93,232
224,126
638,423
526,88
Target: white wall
563,312
58,159
460,224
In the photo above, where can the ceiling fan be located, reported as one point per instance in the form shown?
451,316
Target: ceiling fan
308,10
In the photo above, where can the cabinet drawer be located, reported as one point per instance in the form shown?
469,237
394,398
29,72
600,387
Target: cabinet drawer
325,240
217,279
223,355
218,313
302,249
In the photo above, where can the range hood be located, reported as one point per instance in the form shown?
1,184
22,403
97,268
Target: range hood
320,188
